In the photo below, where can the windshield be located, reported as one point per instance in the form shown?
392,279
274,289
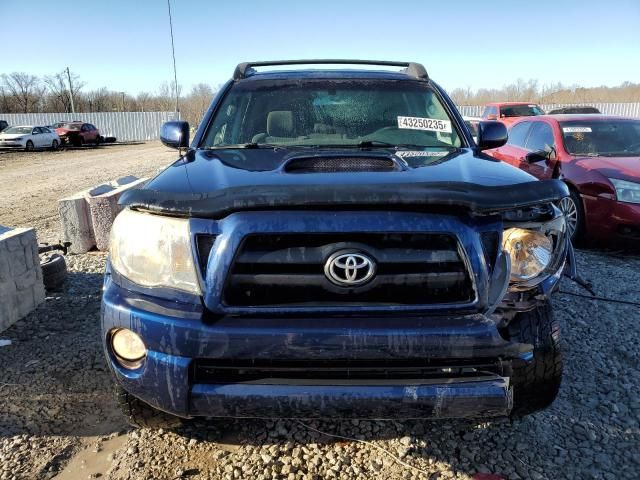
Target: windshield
620,138
68,126
331,113
10,130
520,111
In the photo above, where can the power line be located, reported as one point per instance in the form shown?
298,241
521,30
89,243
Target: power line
173,54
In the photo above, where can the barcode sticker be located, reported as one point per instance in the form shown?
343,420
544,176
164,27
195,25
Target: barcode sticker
428,124
576,129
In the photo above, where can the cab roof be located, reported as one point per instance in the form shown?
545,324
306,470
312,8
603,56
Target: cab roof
410,70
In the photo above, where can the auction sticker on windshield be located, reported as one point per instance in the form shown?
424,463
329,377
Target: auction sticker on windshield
429,124
576,129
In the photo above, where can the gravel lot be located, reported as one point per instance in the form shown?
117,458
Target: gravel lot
58,420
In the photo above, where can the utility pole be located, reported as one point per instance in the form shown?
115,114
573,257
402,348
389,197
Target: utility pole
122,93
173,53
73,109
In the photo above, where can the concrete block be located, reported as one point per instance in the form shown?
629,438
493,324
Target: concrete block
76,222
104,208
21,287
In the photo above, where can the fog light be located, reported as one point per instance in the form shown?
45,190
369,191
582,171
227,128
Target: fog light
128,348
531,252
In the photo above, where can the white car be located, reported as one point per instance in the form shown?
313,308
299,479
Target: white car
29,138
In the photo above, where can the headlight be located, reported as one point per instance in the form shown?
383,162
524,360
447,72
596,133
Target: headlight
19,139
531,253
626,191
153,251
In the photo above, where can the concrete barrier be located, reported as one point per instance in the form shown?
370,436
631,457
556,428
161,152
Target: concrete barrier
21,287
87,216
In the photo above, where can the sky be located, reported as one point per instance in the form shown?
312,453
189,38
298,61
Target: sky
124,45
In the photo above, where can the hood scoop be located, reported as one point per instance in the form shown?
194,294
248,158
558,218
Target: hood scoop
337,164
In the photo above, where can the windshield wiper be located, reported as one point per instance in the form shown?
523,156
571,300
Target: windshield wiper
246,145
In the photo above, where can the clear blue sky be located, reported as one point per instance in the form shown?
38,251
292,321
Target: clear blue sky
124,45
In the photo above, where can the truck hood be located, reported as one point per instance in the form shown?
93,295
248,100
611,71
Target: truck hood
215,183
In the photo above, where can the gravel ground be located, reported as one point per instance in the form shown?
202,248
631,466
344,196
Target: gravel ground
32,182
58,419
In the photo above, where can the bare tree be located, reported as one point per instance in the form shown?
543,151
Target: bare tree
60,88
22,87
143,99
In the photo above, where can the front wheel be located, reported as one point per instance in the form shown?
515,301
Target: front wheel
573,211
536,383
141,414
29,146
54,145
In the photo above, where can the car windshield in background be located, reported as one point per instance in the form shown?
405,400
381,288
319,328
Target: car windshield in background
521,111
619,138
21,130
341,113
69,126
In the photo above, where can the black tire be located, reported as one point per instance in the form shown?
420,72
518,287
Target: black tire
54,272
536,383
55,145
573,209
141,414
29,146
78,141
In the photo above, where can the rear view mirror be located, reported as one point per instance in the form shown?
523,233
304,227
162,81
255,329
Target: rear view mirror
491,135
175,134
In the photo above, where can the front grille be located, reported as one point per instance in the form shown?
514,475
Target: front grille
340,164
289,270
225,372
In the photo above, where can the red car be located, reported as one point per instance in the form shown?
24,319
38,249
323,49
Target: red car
598,157
77,133
509,112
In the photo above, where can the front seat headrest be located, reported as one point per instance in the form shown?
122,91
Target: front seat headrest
280,123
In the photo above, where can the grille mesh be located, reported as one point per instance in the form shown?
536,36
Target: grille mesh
340,164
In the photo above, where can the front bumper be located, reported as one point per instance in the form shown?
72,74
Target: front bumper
10,144
609,219
177,335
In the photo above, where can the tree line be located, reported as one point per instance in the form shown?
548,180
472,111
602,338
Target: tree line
22,92
532,91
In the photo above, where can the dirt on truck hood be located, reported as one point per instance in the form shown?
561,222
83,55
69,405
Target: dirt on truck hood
215,183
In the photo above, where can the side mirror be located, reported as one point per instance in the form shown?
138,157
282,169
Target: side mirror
491,135
175,134
537,156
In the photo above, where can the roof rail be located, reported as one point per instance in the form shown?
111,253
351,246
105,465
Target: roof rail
416,70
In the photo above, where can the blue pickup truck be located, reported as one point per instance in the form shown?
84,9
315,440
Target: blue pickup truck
333,243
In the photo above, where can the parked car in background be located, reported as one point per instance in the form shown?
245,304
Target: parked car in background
571,110
78,133
597,156
3,125
29,138
509,112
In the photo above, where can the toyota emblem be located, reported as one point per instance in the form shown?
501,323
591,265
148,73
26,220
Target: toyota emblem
349,268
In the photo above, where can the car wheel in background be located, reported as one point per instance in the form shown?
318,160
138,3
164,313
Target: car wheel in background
77,142
54,145
29,146
573,211
54,271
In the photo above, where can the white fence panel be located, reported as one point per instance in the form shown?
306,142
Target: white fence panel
125,126
621,109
